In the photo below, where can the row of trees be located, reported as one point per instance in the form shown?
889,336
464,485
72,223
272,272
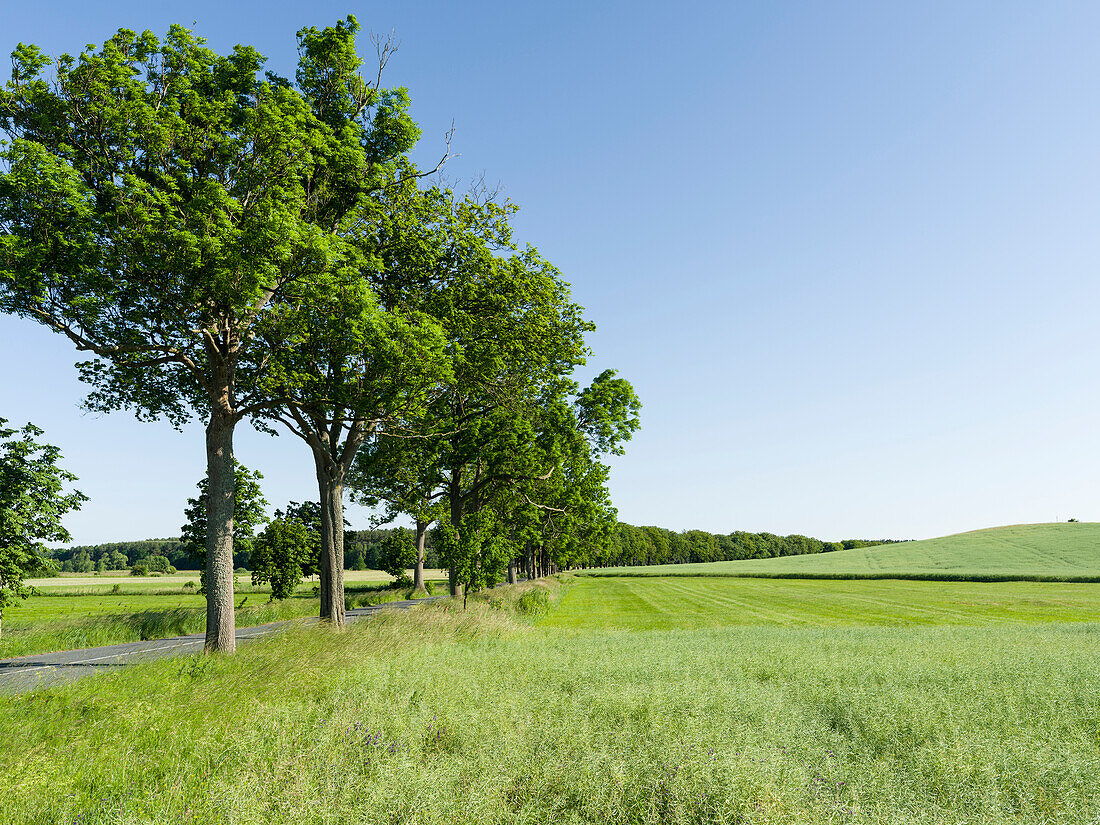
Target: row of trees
624,545
229,244
629,545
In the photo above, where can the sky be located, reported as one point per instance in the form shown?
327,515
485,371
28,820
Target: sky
845,252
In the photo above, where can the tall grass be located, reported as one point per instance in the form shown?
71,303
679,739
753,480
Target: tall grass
22,638
445,716
77,617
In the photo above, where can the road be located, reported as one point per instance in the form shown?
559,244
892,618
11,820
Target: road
30,672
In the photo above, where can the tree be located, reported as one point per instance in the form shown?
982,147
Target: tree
160,198
287,549
403,473
248,513
396,555
347,367
32,502
563,508
114,560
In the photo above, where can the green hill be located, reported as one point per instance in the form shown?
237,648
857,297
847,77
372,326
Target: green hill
1069,552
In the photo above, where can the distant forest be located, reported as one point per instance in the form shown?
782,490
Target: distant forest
626,545
630,546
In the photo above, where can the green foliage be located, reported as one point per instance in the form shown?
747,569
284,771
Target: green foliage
119,555
627,545
396,554
139,569
477,555
286,548
248,513
32,503
159,564
164,223
167,209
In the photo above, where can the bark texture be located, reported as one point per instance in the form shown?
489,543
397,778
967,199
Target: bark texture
331,488
418,571
220,623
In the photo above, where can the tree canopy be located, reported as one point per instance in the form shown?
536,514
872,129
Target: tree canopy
159,199
32,501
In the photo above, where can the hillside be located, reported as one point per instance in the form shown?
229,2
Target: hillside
1024,551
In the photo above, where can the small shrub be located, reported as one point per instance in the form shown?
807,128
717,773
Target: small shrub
402,581
116,589
139,569
534,602
188,585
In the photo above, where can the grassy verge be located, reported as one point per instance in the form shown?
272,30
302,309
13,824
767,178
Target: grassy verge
445,716
86,616
73,633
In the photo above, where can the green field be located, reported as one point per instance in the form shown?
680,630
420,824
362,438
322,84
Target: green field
1057,552
651,603
80,612
441,716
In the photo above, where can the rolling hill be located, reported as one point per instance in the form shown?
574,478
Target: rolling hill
1068,552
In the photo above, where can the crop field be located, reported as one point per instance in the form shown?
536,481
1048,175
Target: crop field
492,716
650,603
1029,551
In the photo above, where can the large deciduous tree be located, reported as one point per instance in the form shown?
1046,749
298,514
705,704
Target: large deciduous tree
159,198
346,367
32,502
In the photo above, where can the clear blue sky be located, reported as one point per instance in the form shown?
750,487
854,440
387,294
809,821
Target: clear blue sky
846,252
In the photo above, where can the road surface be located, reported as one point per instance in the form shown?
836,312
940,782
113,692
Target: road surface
29,672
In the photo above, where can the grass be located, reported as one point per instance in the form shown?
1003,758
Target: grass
652,603
94,614
440,716
1038,552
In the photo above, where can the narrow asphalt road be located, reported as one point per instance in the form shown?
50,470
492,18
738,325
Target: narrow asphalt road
30,672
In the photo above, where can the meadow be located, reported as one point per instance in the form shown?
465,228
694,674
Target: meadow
653,603
1038,552
668,714
73,611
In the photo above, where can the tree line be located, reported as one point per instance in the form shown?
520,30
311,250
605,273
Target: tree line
223,243
625,545
629,546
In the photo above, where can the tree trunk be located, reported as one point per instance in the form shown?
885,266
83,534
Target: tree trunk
220,629
418,571
331,489
511,571
455,498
